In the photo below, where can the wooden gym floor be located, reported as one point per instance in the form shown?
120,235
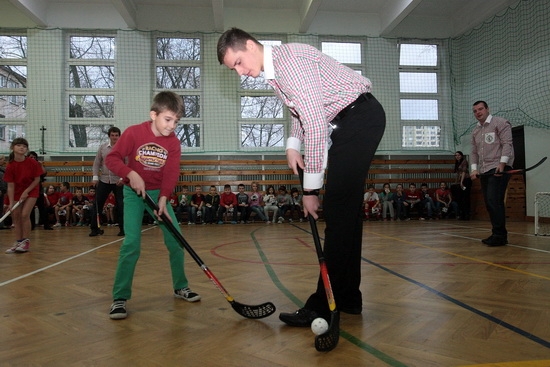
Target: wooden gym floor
433,296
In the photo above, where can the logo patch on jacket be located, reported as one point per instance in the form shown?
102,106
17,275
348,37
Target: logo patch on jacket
152,155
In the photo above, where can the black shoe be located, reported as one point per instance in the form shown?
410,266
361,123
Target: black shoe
121,234
94,233
487,240
48,228
352,310
496,241
301,318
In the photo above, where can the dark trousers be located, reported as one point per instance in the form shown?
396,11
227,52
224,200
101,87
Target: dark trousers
354,143
493,189
102,192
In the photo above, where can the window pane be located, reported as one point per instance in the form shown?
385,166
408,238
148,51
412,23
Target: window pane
8,133
419,109
13,76
258,83
91,76
178,49
418,82
189,135
418,55
102,48
94,106
178,77
421,136
347,53
261,107
13,47
192,106
91,136
266,135
13,107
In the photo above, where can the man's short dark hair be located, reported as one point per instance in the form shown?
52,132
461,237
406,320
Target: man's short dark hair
484,103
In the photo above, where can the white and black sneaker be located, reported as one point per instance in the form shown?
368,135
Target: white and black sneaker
118,310
187,294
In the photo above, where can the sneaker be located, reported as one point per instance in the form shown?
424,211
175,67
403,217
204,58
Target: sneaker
12,249
220,222
118,310
23,246
57,224
187,294
281,220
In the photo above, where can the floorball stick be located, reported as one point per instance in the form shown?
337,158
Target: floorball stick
329,339
248,311
10,211
518,170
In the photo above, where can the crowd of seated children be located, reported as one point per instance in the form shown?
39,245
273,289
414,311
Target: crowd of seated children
402,204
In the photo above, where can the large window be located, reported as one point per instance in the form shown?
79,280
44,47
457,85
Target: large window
91,93
13,88
262,114
178,68
419,69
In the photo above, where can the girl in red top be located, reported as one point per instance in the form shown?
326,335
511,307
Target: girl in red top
23,176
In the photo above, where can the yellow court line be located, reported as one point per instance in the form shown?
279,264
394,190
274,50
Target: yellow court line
463,257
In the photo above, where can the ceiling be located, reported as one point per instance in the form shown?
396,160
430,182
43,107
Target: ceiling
387,18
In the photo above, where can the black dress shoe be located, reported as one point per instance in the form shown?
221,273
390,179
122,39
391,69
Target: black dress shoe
487,240
496,241
94,233
302,318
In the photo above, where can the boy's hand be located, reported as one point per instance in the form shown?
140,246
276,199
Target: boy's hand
138,185
162,208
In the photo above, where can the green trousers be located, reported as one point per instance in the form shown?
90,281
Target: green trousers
134,207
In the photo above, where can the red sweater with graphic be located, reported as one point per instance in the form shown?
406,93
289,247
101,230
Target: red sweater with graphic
155,158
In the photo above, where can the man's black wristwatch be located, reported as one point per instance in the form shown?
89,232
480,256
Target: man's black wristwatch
312,192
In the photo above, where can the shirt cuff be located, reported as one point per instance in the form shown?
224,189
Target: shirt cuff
293,143
95,178
474,167
313,181
504,159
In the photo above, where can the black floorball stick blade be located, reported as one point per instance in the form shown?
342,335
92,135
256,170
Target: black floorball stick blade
254,312
329,339
248,311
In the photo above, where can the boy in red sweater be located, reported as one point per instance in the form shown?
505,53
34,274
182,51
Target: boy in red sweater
152,151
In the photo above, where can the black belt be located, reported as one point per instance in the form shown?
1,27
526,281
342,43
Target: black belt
362,98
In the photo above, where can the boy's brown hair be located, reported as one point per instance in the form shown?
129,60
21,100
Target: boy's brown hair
168,101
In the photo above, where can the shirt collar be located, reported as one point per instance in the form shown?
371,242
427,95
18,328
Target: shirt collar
269,71
489,118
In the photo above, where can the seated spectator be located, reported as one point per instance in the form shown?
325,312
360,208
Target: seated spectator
270,203
371,203
295,204
256,202
63,206
400,201
196,205
283,203
184,199
242,203
51,197
109,209
228,204
426,202
387,201
413,201
444,203
211,205
77,207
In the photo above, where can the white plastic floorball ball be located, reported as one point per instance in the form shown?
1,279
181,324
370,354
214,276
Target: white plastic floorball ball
319,326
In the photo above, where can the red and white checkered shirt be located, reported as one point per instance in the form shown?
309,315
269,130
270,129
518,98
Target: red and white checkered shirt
315,88
491,144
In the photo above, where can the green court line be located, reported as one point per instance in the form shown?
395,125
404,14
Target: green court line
343,334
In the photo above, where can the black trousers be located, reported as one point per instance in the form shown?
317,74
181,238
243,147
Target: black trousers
493,189
354,143
102,192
